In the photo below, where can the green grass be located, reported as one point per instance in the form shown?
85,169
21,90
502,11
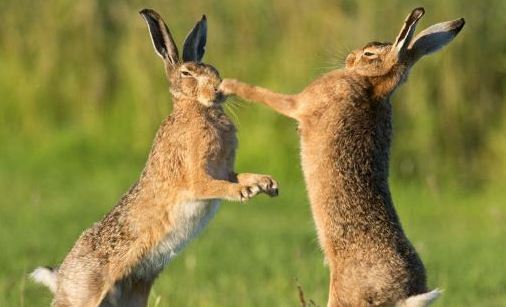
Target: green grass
250,255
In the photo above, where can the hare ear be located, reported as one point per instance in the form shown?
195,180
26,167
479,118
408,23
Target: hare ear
404,37
161,37
195,43
435,37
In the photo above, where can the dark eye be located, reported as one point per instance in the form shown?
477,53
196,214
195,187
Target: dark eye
186,73
367,53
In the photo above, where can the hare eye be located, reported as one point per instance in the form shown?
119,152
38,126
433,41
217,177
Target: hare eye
186,73
367,53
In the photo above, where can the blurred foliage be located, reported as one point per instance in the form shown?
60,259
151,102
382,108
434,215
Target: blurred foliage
88,66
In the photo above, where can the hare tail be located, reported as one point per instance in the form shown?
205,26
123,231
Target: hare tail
46,276
420,300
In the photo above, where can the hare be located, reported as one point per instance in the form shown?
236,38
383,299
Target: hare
189,169
345,129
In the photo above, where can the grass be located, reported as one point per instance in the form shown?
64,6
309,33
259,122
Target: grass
250,255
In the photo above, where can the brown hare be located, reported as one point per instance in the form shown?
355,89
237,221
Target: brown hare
189,169
345,128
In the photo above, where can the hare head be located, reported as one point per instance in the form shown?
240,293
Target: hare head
385,60
191,81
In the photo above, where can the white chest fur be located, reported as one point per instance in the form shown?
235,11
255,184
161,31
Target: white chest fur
188,220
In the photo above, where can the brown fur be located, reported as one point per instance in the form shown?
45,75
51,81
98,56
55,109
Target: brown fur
190,166
345,131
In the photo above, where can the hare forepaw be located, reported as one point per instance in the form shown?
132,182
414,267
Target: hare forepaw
227,87
268,185
254,184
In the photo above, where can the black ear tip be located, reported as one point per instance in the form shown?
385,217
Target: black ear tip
460,23
418,12
149,12
204,17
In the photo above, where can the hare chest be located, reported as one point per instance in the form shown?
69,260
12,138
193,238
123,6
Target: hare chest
188,221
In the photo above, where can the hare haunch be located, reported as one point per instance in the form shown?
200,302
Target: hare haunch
189,169
345,128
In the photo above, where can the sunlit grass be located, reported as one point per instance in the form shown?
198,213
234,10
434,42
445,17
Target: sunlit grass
250,255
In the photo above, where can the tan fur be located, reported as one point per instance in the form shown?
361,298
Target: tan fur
345,131
190,167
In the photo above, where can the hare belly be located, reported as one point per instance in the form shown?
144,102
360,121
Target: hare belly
189,219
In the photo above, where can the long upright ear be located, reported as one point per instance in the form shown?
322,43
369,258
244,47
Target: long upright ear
435,37
195,43
161,37
404,37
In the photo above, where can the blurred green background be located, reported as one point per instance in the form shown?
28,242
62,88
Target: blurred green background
82,94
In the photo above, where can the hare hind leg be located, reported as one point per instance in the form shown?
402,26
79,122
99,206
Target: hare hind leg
81,299
128,293
80,289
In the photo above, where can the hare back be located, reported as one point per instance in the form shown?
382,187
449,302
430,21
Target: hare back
188,221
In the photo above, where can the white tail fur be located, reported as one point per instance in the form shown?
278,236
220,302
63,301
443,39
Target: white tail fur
420,300
46,276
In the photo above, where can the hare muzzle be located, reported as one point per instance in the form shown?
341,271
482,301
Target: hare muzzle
209,94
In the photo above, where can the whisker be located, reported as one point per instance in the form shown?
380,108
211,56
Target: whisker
233,114
336,59
233,107
239,104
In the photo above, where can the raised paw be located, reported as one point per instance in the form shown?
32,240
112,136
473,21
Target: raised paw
227,87
259,183
268,185
248,191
